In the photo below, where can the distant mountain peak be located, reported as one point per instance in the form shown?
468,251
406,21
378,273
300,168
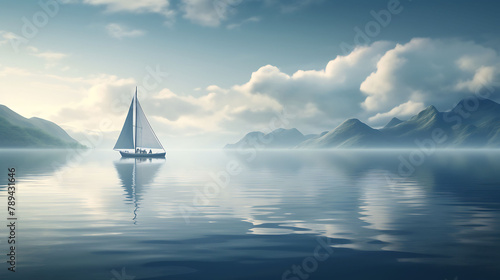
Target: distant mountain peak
474,101
428,113
431,109
351,122
395,121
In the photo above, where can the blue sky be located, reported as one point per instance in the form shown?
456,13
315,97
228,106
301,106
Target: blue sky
233,65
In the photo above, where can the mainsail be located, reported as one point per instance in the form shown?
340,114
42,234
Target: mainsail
126,139
137,132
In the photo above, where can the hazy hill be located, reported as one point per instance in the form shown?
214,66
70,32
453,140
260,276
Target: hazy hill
471,123
279,138
17,131
351,133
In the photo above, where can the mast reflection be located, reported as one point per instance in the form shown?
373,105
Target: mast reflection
136,174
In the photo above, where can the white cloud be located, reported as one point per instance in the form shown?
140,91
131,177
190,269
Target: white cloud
119,31
208,12
483,76
407,109
333,93
430,71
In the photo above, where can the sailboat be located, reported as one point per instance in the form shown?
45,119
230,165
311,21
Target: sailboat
137,139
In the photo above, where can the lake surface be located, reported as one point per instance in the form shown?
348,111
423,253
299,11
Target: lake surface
264,215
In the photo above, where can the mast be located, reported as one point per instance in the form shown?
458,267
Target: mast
135,108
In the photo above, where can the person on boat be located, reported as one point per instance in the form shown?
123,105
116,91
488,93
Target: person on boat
137,151
150,151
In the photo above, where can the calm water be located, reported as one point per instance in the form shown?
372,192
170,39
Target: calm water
279,215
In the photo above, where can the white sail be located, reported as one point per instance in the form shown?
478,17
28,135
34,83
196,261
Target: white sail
126,139
146,138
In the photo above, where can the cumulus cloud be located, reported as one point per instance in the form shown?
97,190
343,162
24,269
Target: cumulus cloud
119,31
328,95
430,71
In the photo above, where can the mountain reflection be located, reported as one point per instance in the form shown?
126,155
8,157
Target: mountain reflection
34,163
136,175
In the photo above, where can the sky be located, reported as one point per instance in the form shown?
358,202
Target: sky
209,71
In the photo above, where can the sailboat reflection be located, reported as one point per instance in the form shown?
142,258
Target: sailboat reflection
136,174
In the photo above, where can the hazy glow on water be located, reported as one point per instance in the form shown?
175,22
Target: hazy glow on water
84,219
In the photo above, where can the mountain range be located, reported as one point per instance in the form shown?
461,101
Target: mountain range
472,123
17,131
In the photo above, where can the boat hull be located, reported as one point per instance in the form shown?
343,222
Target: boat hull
134,155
